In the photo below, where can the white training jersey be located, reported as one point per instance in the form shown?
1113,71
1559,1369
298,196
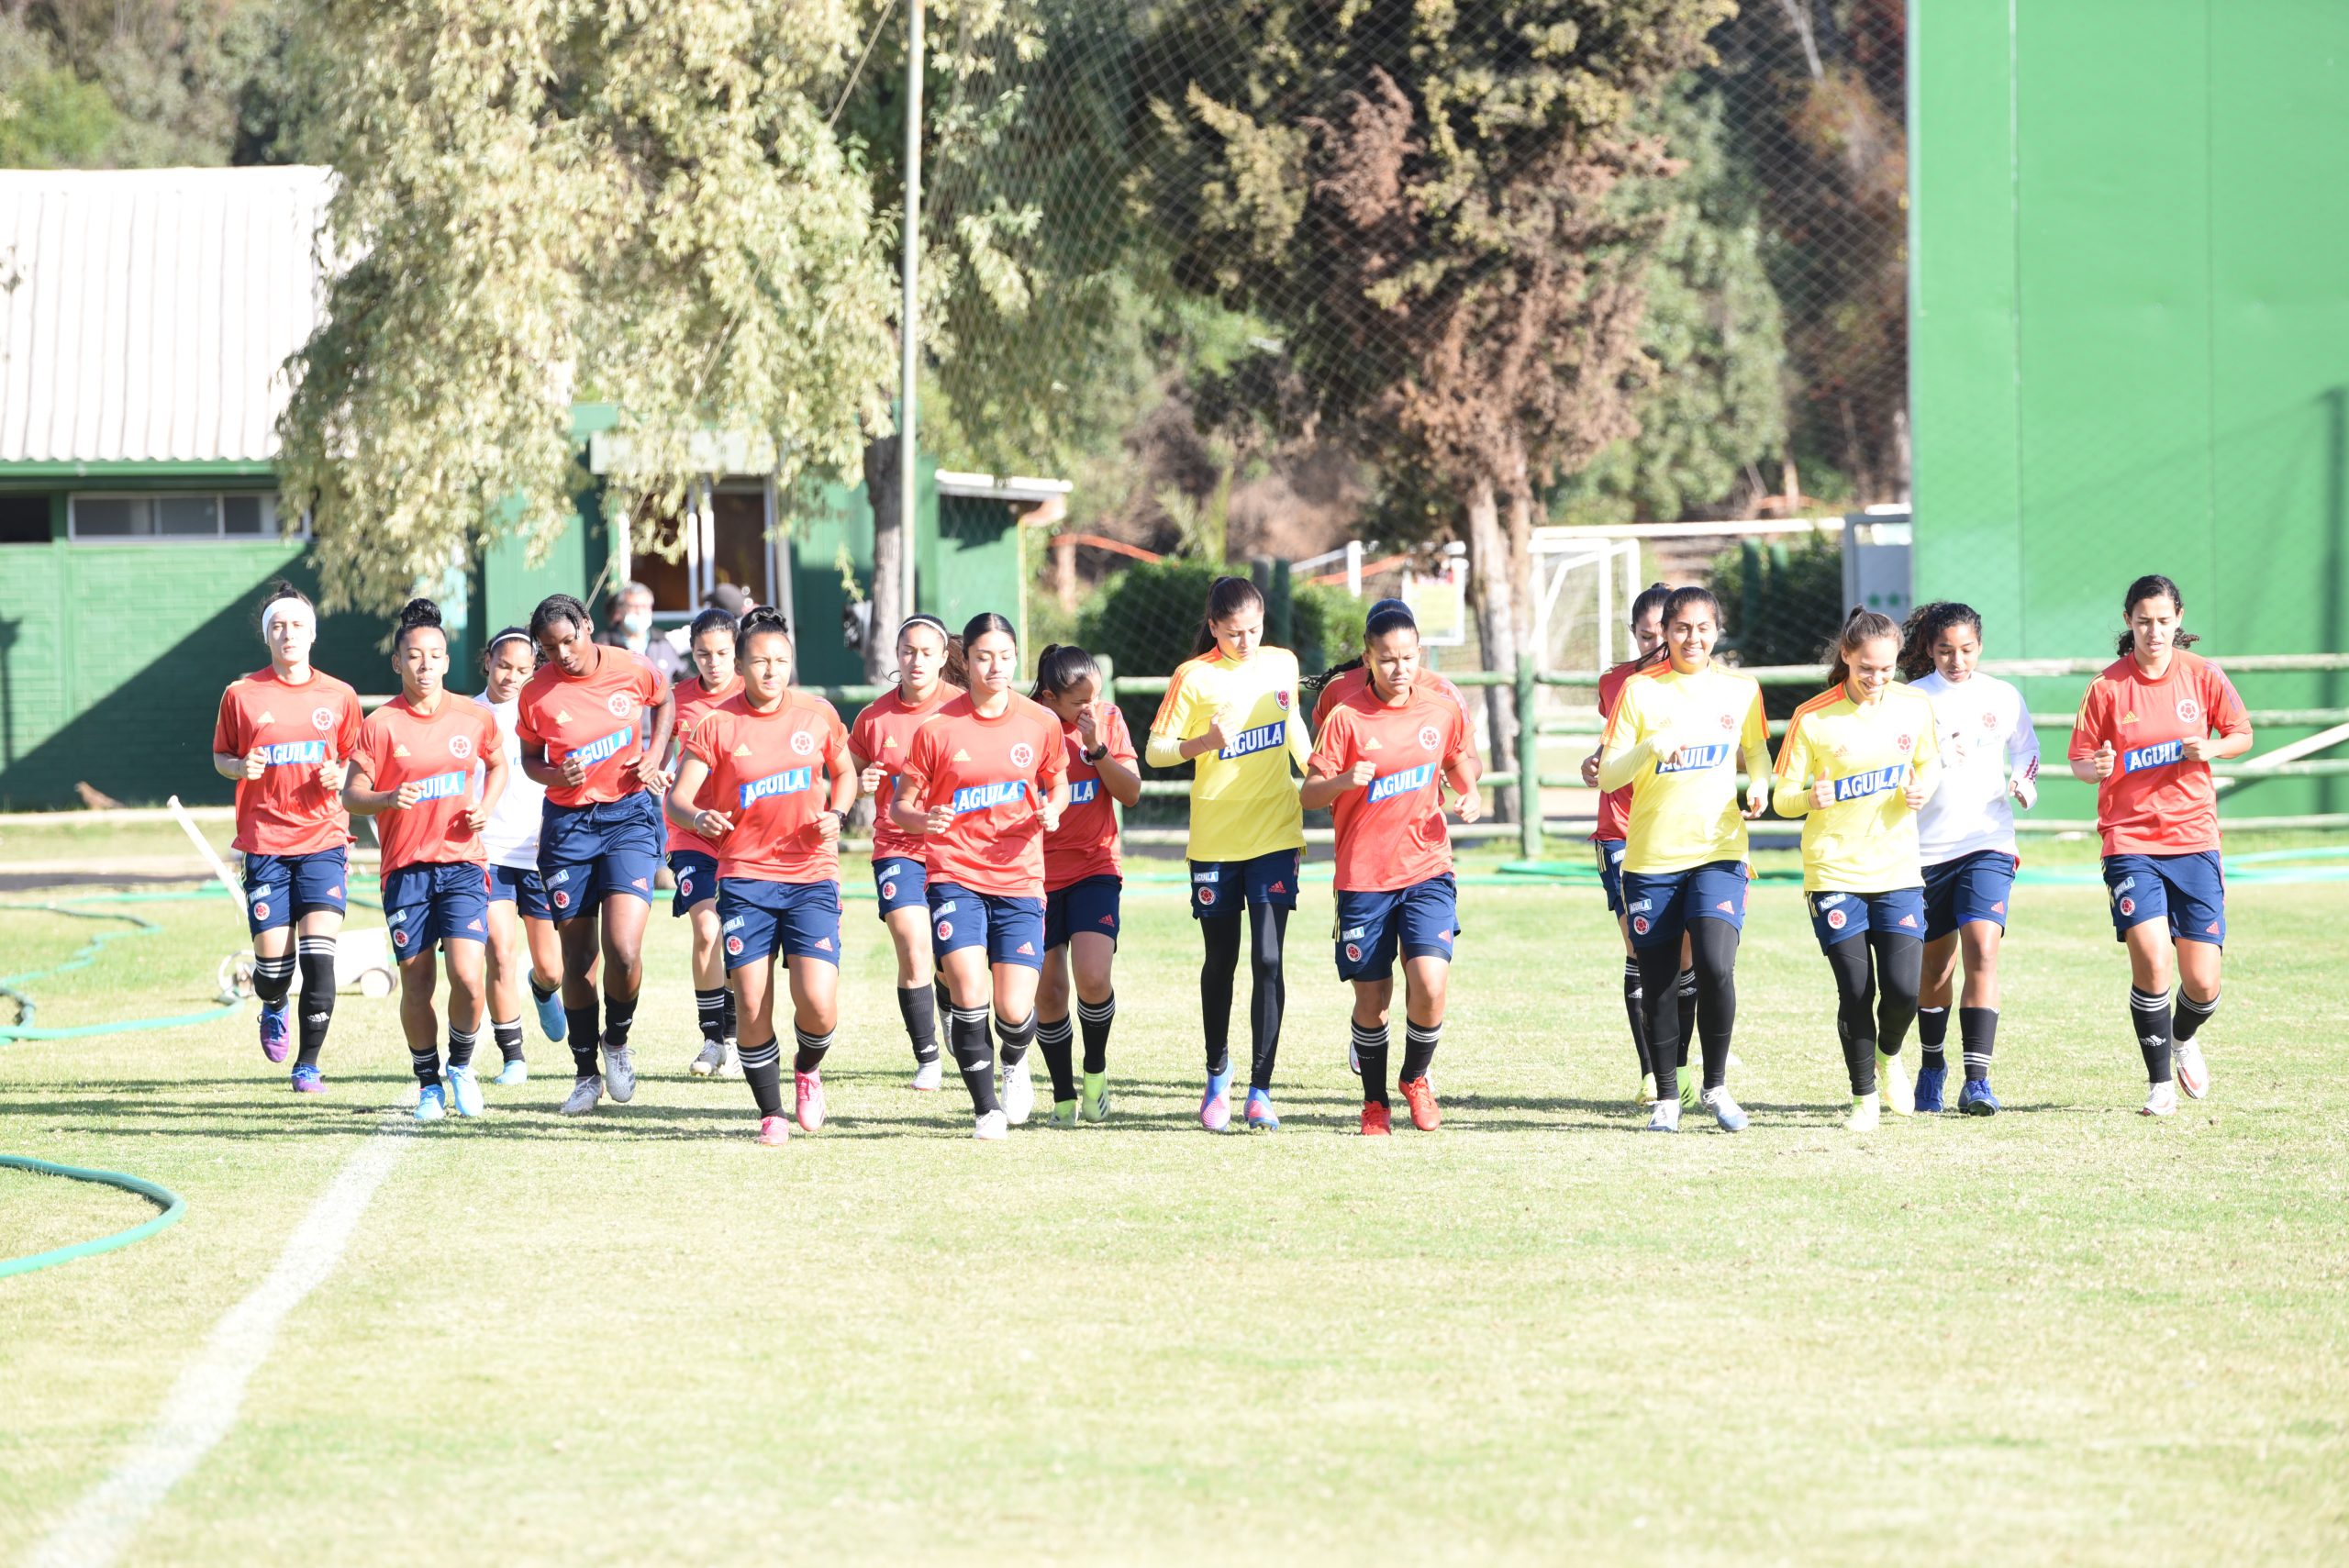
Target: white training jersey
512,835
1986,737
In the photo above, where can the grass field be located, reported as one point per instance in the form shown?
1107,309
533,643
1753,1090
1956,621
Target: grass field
2066,1334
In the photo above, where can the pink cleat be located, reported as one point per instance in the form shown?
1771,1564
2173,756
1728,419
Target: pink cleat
809,1087
774,1130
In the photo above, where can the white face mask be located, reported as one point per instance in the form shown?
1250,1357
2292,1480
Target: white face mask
637,623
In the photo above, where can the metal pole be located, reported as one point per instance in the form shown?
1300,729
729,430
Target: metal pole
1529,763
908,333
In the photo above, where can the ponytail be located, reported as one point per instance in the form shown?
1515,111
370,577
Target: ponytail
1385,616
1862,626
1060,666
1656,596
1227,597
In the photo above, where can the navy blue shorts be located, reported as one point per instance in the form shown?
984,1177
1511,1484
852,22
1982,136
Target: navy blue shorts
1011,930
281,889
1267,879
1972,888
697,879
436,901
1840,916
1662,903
1421,919
786,919
2190,889
1090,904
526,890
1610,871
587,853
897,881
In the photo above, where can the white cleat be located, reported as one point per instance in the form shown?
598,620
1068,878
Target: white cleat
731,1067
713,1056
990,1128
2193,1073
619,1073
584,1096
1665,1117
1019,1093
1864,1113
1892,1084
929,1075
1727,1113
2160,1100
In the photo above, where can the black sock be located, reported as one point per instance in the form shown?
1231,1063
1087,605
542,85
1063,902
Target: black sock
916,1005
762,1066
579,1033
1856,1011
1013,1040
1418,1048
1222,934
426,1065
1268,996
2191,1015
272,977
1659,981
1370,1052
317,960
1932,1032
809,1057
1715,945
620,1017
1055,1039
461,1046
543,993
1977,1033
709,1010
2149,1018
966,1033
731,1020
1685,997
509,1036
1094,1019
1635,1007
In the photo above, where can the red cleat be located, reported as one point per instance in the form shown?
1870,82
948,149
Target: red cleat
1376,1121
1420,1096
774,1130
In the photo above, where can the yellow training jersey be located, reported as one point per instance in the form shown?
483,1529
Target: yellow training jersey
1684,812
1866,842
1244,799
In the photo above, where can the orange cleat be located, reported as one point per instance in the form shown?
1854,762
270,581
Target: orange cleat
1376,1120
1420,1096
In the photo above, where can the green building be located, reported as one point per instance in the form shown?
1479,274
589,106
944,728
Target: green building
145,317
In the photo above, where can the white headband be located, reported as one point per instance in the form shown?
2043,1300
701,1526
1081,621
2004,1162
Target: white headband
279,607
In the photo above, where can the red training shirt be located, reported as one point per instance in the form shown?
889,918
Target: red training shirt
1087,844
398,745
288,811
1357,680
1615,807
884,733
772,773
694,701
606,715
1390,831
2157,802
994,772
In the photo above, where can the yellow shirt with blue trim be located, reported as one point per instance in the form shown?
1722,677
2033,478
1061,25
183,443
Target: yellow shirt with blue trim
1244,797
1684,811
1866,842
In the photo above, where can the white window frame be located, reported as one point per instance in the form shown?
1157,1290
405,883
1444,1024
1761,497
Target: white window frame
300,532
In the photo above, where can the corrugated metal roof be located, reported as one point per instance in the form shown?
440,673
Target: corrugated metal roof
145,315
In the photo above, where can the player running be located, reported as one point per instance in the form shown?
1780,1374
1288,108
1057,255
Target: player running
285,735
1858,762
766,779
693,858
523,946
1081,879
1966,836
985,782
2146,734
594,723
929,674
1377,763
1676,732
1232,710
414,771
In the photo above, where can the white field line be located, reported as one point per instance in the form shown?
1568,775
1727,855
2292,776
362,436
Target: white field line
203,1403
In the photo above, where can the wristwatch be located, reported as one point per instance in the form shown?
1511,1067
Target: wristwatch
1096,753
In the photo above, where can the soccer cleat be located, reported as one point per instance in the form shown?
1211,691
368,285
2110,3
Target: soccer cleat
1063,1115
1976,1098
731,1066
990,1128
619,1073
551,1022
1093,1098
1928,1089
1260,1112
774,1130
712,1056
1864,1109
2160,1100
306,1081
584,1096
464,1091
1419,1094
2192,1074
1019,1093
276,1030
1378,1121
515,1072
1215,1106
1731,1117
1892,1085
807,1092
930,1075
428,1106
1688,1089
1647,1089
1665,1117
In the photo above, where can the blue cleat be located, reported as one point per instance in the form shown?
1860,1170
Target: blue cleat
515,1072
1976,1098
1929,1088
1260,1112
277,1028
551,1020
1215,1106
430,1105
464,1091
306,1081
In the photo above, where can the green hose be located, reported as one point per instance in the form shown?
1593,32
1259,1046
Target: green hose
11,986
171,1203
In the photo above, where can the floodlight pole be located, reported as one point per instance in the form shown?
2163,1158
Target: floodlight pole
909,316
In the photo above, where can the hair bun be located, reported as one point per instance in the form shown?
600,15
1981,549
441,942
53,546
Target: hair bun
419,612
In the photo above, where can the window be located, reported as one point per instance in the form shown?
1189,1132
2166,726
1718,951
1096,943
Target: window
110,517
24,519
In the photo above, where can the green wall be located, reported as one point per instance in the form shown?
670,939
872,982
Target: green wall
2130,331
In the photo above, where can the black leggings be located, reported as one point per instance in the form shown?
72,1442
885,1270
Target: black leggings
1268,925
1868,1024
1713,948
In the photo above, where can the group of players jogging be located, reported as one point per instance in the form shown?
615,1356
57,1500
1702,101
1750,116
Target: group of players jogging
523,832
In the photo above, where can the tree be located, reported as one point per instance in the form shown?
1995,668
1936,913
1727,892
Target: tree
543,201
1420,196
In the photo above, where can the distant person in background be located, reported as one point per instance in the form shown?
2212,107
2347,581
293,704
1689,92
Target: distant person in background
732,599
631,627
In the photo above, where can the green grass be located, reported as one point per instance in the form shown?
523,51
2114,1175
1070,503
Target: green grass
2066,1334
